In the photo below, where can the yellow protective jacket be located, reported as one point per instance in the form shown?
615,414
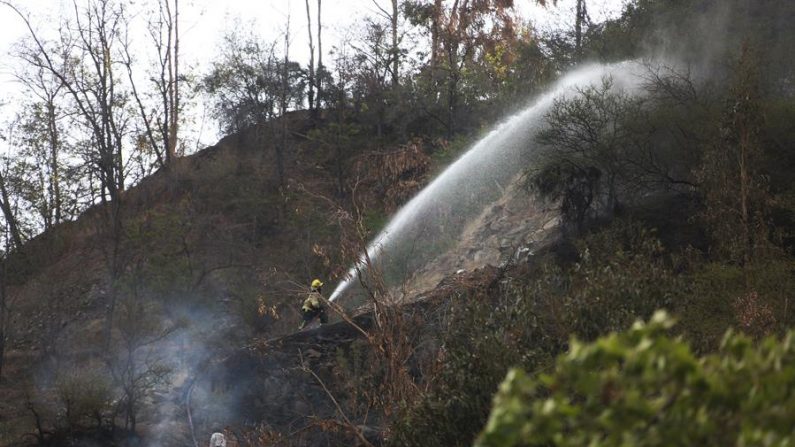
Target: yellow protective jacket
313,301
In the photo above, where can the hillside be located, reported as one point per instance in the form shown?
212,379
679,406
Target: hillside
214,243
515,229
219,255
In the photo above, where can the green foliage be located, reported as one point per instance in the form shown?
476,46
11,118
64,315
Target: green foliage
84,397
623,274
482,339
735,192
644,24
528,70
479,58
707,313
755,299
642,387
249,82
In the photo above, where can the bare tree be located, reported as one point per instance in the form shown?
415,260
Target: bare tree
41,138
85,61
92,39
284,96
137,364
311,96
320,69
87,46
161,124
394,50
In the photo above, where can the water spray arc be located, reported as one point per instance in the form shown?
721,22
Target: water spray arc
475,180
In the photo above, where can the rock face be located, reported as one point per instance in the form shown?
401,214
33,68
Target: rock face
512,229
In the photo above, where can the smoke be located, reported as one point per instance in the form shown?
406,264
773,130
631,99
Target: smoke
694,35
706,36
198,379
165,351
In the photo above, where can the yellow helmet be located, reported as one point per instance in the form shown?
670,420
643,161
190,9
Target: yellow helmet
317,283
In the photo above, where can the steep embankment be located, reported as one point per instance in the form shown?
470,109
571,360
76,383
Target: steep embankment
214,251
215,248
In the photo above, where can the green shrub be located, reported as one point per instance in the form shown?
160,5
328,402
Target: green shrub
486,334
84,397
755,299
623,274
645,388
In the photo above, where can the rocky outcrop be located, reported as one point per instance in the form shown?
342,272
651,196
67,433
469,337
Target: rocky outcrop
511,230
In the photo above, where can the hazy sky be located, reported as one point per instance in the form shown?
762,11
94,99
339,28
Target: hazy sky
203,22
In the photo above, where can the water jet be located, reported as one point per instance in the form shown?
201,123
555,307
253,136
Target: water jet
429,223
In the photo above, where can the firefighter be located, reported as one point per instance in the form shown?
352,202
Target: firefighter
217,439
314,305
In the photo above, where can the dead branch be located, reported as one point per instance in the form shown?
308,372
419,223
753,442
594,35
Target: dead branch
348,423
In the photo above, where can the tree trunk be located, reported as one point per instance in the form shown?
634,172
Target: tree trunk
2,348
745,188
55,172
320,69
281,148
582,17
311,94
3,312
435,25
452,100
8,213
338,144
171,154
395,49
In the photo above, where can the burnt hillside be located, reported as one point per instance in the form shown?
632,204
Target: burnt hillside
213,242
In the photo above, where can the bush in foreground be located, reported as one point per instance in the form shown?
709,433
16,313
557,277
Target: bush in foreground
645,388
